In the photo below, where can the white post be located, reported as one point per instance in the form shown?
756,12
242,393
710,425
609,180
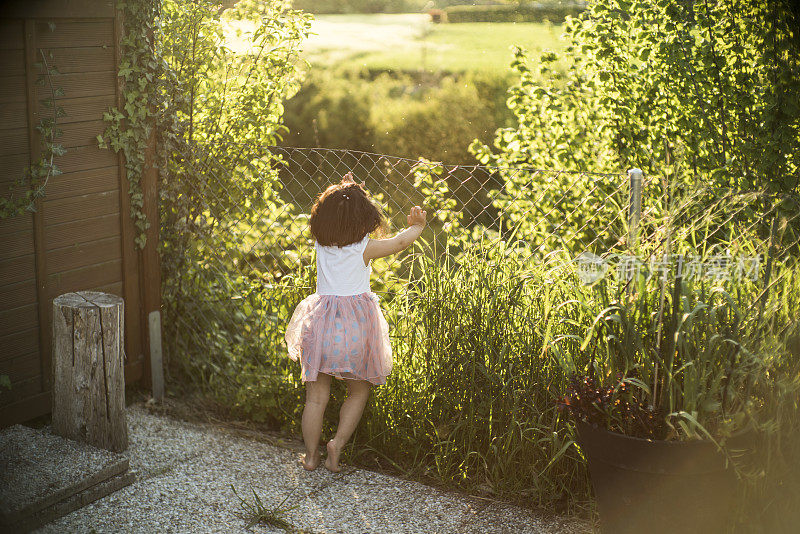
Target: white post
635,206
156,360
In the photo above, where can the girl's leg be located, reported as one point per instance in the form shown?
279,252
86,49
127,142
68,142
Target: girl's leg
317,394
349,416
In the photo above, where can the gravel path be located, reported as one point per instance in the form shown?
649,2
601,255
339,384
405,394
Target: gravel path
185,471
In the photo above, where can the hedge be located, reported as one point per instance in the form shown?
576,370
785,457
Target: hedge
556,13
329,7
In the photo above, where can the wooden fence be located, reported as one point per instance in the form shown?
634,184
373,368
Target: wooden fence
81,236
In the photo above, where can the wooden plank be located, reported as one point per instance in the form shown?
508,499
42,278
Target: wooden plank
84,279
12,89
17,235
149,263
79,208
67,475
82,133
21,390
59,8
75,85
19,223
22,367
12,114
17,243
84,158
83,255
38,216
19,269
14,142
83,59
75,501
13,62
85,108
13,166
63,471
82,231
70,34
10,33
134,370
25,409
14,345
17,319
17,295
12,189
113,289
136,335
82,183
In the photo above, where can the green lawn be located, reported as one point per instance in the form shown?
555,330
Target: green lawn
411,42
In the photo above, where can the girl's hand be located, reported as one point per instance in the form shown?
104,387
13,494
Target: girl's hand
380,248
417,216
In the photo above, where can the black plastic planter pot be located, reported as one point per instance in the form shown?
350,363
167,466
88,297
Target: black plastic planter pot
659,486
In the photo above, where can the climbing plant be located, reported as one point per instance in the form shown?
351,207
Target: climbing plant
184,88
130,127
211,82
34,179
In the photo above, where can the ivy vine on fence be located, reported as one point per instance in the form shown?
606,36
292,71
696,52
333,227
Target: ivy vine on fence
129,128
34,179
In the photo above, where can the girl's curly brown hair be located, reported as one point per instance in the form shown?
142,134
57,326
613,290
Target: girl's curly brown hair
343,214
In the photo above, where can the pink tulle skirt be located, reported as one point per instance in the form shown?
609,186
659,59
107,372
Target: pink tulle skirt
343,336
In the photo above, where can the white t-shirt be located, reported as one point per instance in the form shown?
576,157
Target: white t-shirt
341,270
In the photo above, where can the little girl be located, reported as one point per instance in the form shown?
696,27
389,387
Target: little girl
339,330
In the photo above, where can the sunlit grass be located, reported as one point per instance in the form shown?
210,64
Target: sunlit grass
411,42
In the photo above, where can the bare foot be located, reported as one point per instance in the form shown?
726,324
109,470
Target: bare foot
310,463
332,461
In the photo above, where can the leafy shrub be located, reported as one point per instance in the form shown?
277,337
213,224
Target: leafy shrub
398,114
358,6
331,110
219,200
555,13
321,7
422,124
690,90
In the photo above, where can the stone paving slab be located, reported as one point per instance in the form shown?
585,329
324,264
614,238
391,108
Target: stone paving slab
185,472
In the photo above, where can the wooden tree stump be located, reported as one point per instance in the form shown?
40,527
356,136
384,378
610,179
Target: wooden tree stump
88,381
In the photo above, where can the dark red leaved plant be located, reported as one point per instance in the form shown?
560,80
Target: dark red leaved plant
618,407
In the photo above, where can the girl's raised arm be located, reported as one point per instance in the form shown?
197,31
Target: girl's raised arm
379,248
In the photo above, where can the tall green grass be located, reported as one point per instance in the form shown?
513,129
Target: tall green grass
471,399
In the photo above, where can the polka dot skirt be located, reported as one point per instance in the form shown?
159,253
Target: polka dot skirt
343,336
